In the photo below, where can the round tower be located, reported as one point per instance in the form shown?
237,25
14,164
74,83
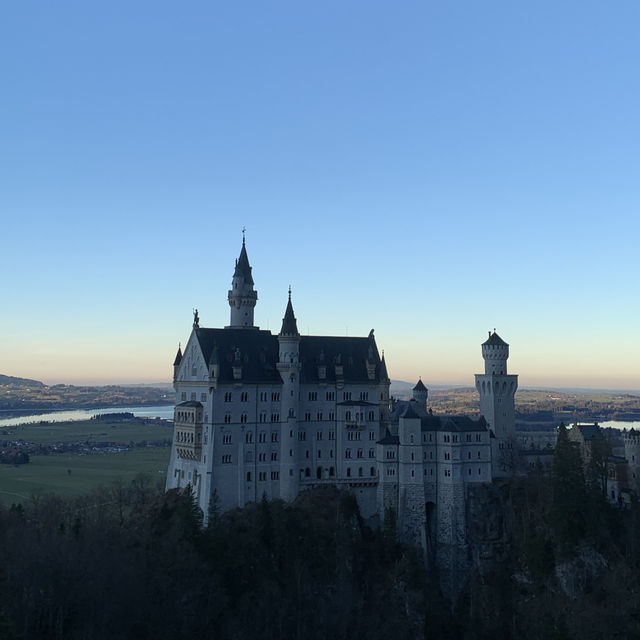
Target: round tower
497,391
242,297
420,395
495,352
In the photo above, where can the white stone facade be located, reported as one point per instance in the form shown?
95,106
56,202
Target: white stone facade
269,415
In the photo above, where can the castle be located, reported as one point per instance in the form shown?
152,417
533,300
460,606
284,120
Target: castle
269,415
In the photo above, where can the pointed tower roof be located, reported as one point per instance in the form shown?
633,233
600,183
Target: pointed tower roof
178,359
289,324
383,369
420,386
495,339
243,268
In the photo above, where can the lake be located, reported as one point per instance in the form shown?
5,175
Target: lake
162,411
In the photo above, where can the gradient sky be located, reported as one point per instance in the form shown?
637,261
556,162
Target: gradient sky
429,169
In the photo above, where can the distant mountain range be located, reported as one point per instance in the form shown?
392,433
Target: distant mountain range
20,394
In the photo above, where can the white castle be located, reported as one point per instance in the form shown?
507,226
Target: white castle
269,415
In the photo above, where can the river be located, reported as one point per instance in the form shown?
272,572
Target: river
161,411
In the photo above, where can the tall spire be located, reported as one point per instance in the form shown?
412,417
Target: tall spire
242,297
289,324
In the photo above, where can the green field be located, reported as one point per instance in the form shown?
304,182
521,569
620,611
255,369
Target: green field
50,474
86,430
72,474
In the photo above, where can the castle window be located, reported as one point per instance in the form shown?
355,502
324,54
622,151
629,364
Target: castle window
391,472
372,435
275,397
372,453
455,438
431,437
244,397
348,472
318,435
413,473
291,453
307,416
290,472
411,438
194,372
346,395
431,472
274,455
412,457
330,395
226,459
468,437
447,456
306,453
243,418
478,437
275,475
479,471
228,396
447,473
319,453
203,397
372,471
292,413
348,415
227,418
331,453
183,396
248,476
193,395
313,395
332,435
469,455
274,436
302,435
262,476
319,473
319,416
347,453
263,396
478,454
262,436
371,416
469,471
360,472
275,417
262,457
364,395
332,415
307,473
332,472
359,454
249,437
263,416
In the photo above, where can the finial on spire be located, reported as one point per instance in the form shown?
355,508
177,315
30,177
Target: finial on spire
243,230
289,292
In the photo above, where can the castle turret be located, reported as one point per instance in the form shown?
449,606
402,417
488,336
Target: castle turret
176,363
497,402
242,297
289,368
420,395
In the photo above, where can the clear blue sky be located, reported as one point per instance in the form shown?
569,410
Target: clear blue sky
430,169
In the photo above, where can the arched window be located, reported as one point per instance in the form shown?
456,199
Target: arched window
248,476
307,473
332,472
373,471
319,473
348,415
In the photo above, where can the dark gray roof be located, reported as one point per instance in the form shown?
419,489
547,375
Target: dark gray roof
420,386
178,359
289,325
589,431
409,412
389,439
242,266
258,353
259,356
190,403
495,339
349,353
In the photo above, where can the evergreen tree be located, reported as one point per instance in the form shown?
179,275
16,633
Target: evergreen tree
569,495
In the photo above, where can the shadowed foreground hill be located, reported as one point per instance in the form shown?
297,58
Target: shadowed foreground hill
129,563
